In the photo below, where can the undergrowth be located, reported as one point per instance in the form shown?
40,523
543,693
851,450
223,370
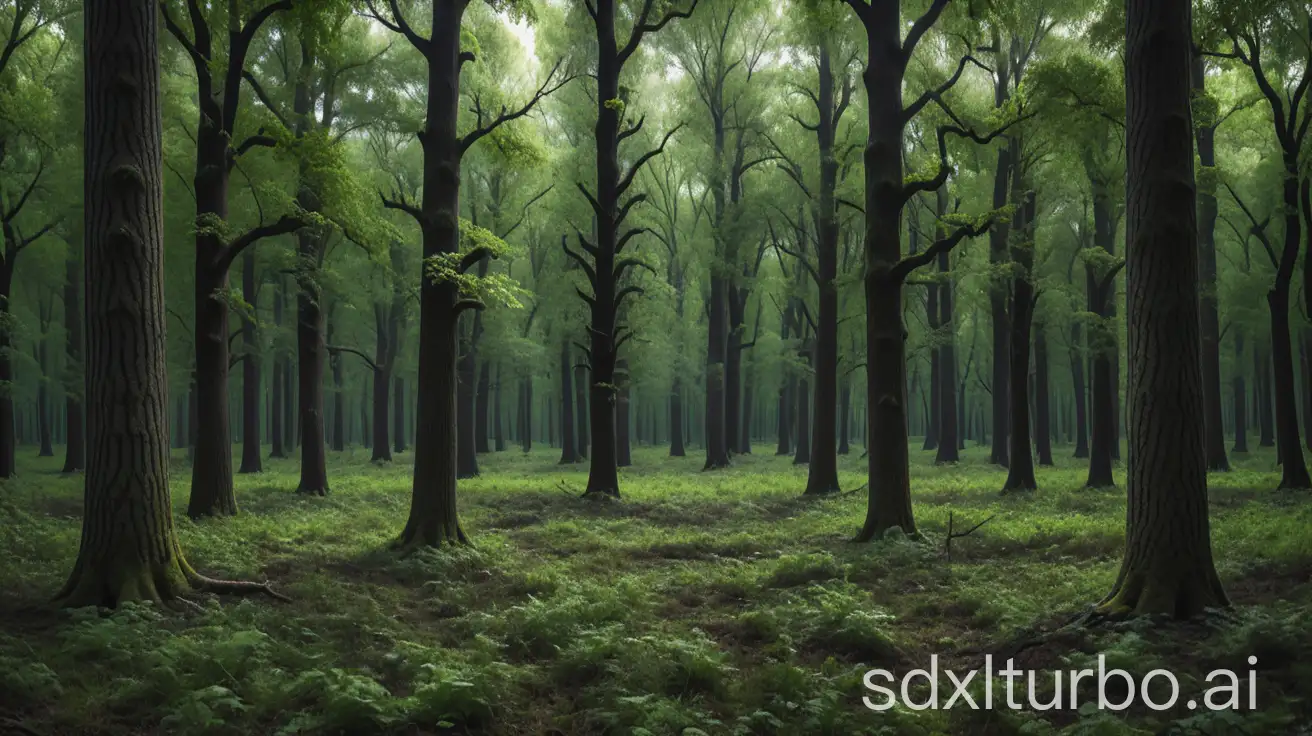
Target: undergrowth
703,603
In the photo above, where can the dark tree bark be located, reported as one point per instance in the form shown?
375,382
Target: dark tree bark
250,370
1240,396
568,450
1020,471
466,380
482,404
277,415
844,419
128,551
311,354
1262,395
999,291
934,408
339,389
434,520
75,444
803,454
1168,567
1205,136
787,390
219,83
1042,408
607,267
717,346
1077,381
676,418
1100,287
45,316
949,444
398,414
885,268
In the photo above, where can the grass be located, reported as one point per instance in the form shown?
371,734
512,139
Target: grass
703,603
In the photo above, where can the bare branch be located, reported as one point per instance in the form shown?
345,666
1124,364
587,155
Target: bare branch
905,266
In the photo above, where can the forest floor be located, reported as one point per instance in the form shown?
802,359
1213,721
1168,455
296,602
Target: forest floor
703,603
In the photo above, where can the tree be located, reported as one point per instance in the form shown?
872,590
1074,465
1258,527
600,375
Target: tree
129,551
1167,568
446,290
607,265
219,83
886,269
75,457
1261,35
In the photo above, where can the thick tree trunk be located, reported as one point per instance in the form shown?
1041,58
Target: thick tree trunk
568,450
128,550
75,457
311,354
733,364
1042,408
1240,396
250,370
1168,567
434,519
1294,472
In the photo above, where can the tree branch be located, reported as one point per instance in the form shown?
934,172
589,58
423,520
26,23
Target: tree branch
905,266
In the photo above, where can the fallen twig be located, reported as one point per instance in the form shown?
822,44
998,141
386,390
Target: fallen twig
947,543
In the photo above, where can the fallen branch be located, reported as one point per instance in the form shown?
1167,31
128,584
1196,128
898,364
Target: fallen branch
947,543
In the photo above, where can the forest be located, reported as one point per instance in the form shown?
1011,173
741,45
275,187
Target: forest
655,367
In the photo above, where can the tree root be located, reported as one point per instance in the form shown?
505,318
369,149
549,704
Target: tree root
203,584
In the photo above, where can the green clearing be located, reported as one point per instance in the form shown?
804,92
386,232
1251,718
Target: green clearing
716,603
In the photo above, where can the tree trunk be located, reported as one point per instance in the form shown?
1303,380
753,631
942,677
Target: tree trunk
717,345
676,417
482,406
784,413
128,550
311,353
1020,473
998,294
733,362
75,457
1294,474
339,387
250,370
1077,381
844,418
949,442
1168,567
1262,394
1240,396
466,406
45,310
934,409
385,347
398,414
1205,135
803,454
277,400
568,450
1042,410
